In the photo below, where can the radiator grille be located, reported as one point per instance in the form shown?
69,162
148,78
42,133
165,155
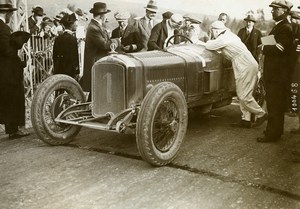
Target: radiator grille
108,88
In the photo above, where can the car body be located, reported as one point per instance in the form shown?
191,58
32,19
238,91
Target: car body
145,93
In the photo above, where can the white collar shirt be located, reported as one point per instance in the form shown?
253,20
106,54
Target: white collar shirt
170,32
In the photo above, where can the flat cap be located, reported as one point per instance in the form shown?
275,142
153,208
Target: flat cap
281,4
219,25
122,15
250,17
167,15
177,18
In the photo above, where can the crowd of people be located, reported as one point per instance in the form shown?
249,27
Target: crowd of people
243,49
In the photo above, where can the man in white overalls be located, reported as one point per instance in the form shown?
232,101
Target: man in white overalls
245,70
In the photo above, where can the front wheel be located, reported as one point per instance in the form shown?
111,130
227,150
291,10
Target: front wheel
161,124
54,95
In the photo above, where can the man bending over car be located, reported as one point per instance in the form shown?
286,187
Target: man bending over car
245,70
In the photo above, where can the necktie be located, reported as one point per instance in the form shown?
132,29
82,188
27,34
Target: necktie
149,25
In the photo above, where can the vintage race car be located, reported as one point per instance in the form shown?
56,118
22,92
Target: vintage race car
147,94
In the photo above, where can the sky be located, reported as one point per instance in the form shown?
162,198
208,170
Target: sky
235,8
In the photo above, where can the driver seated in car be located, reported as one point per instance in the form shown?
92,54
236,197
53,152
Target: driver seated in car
163,31
245,70
192,29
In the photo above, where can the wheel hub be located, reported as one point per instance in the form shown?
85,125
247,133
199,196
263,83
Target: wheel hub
173,126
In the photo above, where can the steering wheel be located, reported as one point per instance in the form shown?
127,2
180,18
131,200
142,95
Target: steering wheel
178,36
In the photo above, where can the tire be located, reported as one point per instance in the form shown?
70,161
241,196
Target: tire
164,111
45,108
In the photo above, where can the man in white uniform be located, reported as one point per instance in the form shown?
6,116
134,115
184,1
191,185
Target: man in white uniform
245,71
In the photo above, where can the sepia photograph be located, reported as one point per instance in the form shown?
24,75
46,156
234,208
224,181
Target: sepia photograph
149,104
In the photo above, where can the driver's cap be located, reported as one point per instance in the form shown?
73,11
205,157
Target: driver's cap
177,18
218,25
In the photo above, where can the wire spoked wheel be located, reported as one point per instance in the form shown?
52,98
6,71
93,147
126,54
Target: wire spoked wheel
161,124
55,94
166,123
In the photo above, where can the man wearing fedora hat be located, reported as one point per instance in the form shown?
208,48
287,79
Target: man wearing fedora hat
277,70
245,70
65,49
97,43
12,103
130,39
35,20
146,23
250,36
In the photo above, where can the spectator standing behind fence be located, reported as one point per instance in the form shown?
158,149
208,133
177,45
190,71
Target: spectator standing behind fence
12,103
277,70
58,27
130,39
97,43
146,23
65,49
48,28
250,36
245,70
35,20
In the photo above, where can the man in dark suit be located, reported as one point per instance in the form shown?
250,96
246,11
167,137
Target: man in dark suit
35,20
130,39
250,36
65,49
163,31
97,42
145,24
12,103
277,70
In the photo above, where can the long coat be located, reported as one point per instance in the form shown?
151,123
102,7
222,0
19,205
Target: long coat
33,28
158,36
144,31
12,102
129,37
277,56
251,40
97,45
277,69
65,55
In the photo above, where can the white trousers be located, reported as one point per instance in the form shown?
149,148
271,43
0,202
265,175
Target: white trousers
245,84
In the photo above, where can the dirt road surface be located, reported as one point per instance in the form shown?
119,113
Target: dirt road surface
217,167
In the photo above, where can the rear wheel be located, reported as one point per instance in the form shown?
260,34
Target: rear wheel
54,95
161,124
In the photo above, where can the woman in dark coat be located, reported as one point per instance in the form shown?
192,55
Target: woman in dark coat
12,103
